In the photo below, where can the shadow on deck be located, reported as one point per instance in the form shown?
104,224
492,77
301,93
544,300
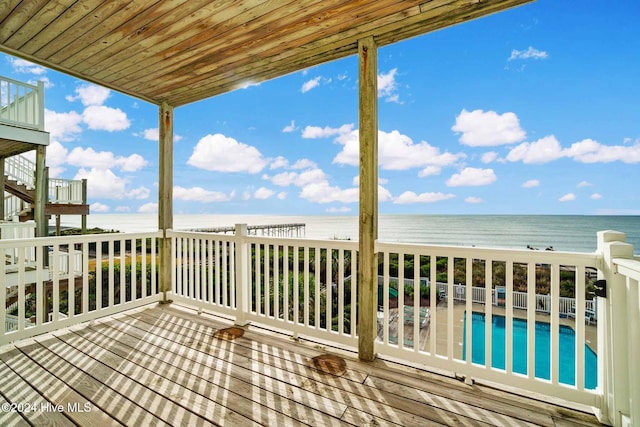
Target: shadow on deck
165,365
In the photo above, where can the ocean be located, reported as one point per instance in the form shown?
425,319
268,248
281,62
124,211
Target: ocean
562,232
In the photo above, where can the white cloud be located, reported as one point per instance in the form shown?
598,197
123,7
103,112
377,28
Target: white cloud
148,208
473,200
541,151
104,184
300,179
24,66
310,84
323,192
199,194
387,86
90,95
290,127
225,154
472,177
56,157
395,152
596,196
312,132
590,151
531,183
98,208
123,209
530,53
99,117
342,209
303,164
89,158
246,195
282,195
279,162
430,171
139,193
489,157
263,193
62,126
411,197
583,184
153,134
567,197
487,128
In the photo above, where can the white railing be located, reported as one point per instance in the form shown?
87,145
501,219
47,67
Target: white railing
620,314
308,288
59,190
113,273
289,283
13,206
22,104
66,191
21,169
520,300
455,329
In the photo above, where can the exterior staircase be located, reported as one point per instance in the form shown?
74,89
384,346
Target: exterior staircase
64,196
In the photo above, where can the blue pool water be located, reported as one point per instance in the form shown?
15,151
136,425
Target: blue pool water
567,338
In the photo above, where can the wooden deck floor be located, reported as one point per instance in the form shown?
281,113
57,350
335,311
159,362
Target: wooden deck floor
163,366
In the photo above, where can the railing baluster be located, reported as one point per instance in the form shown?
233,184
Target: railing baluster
385,298
305,295
469,310
555,323
341,291
531,319
508,307
580,328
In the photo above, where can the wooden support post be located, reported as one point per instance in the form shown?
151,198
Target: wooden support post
84,202
368,226
165,195
2,212
42,227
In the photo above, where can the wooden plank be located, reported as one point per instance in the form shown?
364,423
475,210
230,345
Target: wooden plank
280,30
334,46
9,416
17,389
102,397
20,13
171,393
174,405
92,30
173,27
501,402
54,18
378,404
199,366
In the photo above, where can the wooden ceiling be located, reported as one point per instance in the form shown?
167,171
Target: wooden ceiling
182,51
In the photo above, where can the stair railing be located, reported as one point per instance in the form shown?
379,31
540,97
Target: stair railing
21,169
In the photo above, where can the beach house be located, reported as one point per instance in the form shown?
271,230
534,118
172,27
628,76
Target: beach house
196,328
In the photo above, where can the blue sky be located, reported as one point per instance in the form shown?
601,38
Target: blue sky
535,110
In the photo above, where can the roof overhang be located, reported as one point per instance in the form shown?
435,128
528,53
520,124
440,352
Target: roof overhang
182,51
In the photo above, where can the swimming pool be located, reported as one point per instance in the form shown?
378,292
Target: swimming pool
567,341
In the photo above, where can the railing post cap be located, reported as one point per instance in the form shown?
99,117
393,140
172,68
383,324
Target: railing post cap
607,236
241,229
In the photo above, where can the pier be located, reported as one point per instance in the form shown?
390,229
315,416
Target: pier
274,230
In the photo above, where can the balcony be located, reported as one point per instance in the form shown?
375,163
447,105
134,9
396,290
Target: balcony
250,318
